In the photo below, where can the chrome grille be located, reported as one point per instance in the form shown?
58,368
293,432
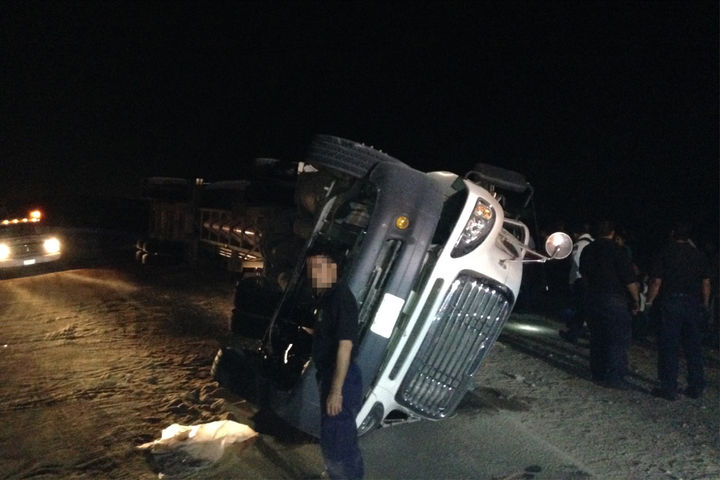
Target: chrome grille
28,249
466,325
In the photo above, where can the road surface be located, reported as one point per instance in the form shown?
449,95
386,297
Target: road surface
98,359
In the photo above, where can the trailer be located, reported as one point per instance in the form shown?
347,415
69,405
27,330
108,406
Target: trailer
229,223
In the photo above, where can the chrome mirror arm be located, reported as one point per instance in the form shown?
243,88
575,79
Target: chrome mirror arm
558,247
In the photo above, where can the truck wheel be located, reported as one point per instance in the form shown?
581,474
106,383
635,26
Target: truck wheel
151,246
237,372
345,156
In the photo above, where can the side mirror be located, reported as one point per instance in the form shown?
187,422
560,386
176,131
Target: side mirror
558,245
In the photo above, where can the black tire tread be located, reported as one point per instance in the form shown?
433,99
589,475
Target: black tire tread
346,156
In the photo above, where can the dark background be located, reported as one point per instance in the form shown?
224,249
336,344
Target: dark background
609,108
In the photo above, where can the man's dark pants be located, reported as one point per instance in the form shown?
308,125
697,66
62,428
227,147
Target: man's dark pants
610,325
575,319
680,324
338,435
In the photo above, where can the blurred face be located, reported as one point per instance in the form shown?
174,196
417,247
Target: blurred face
322,271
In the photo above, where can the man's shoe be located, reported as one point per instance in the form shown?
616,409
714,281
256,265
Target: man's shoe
662,393
693,392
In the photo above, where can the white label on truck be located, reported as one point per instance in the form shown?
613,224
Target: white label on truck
386,315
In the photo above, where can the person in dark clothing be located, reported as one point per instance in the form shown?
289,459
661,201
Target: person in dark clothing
683,273
609,278
339,380
575,315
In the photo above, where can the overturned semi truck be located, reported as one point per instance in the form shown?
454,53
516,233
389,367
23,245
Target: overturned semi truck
434,262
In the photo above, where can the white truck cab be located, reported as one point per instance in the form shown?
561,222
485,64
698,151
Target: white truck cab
434,264
23,242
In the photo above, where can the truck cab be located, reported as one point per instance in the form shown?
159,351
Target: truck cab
24,242
435,266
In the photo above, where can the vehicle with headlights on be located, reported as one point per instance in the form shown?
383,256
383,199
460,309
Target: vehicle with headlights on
24,242
435,262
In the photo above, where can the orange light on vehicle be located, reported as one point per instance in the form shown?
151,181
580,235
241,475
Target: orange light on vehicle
35,216
402,222
483,211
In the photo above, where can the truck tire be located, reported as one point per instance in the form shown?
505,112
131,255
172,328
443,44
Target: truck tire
225,368
345,156
237,372
151,245
159,252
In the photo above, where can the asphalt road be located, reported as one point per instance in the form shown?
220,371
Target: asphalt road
475,444
98,354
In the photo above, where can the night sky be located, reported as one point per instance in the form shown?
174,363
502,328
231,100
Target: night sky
609,108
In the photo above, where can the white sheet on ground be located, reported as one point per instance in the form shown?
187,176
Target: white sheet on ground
204,442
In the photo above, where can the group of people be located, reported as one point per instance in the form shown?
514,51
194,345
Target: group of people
607,295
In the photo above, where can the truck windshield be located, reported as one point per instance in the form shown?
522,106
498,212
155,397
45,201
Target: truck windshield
344,225
17,230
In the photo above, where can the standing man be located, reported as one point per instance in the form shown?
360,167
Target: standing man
607,270
338,376
575,319
683,272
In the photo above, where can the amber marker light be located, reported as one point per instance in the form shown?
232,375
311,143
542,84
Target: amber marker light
483,211
402,222
35,216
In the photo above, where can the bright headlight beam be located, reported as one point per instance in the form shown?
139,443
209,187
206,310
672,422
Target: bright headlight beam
52,245
525,327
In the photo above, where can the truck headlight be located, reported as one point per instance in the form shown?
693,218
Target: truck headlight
52,245
4,252
476,229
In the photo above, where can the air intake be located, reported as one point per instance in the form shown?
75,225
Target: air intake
467,324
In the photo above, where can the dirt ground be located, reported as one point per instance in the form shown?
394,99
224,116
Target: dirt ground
96,361
617,434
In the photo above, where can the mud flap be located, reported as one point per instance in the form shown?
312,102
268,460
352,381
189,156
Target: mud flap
300,407
241,372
